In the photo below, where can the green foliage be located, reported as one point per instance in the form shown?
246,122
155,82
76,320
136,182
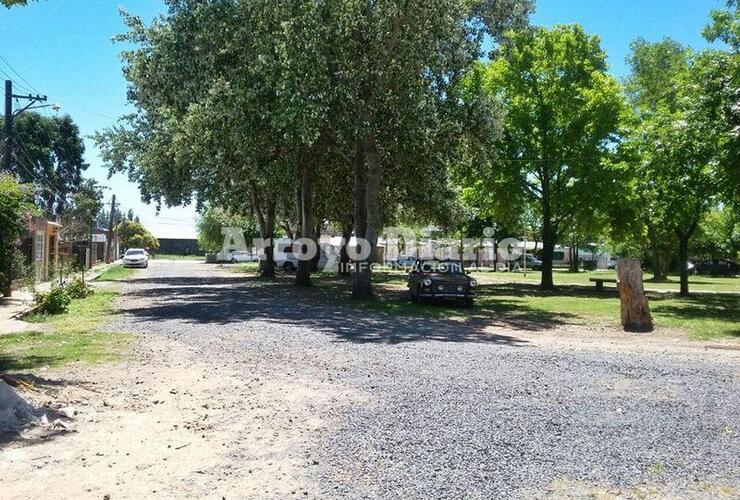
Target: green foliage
15,211
683,141
49,148
13,3
56,301
78,220
561,118
134,235
211,222
725,26
77,288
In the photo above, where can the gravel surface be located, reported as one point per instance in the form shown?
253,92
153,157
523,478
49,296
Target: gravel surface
376,406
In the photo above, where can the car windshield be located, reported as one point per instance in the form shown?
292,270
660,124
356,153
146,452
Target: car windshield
442,266
129,253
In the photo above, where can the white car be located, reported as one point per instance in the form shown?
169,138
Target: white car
241,256
136,257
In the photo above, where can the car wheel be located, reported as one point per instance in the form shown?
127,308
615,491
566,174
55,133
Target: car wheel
288,267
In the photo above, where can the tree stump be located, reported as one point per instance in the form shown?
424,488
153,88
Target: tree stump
636,315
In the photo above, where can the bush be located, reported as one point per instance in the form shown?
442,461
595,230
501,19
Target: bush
54,302
78,289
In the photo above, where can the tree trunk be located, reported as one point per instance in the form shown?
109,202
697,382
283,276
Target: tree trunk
303,274
268,269
683,258
343,254
548,252
266,224
362,286
634,304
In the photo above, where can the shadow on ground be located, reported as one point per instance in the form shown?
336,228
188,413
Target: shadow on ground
326,307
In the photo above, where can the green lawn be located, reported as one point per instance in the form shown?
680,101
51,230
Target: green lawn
521,304
116,272
66,338
563,277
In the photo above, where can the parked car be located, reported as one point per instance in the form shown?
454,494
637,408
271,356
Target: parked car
533,263
136,257
289,261
611,263
241,256
403,263
435,279
718,267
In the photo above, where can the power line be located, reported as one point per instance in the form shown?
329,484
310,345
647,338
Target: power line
19,75
22,148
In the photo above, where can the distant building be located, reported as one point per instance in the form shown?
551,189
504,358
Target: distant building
179,246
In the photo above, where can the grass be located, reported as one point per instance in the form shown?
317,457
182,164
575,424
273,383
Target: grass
115,273
66,338
520,304
564,277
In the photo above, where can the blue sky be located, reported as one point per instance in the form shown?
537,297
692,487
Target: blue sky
63,48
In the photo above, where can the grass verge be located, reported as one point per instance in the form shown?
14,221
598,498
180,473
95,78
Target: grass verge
66,338
115,273
523,305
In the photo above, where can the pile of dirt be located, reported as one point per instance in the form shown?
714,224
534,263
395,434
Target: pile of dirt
15,412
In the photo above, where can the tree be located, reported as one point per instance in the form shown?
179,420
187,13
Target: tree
561,121
78,221
15,208
13,3
49,154
134,235
211,222
273,91
681,141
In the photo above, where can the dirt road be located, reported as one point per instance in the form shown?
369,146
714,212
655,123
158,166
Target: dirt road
237,390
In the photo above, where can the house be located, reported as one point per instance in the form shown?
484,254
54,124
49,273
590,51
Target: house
41,247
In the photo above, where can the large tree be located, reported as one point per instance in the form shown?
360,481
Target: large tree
561,117
683,139
242,103
49,153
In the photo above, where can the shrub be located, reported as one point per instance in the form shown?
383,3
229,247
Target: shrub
54,302
78,289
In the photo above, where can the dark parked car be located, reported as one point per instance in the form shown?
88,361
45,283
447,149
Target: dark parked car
434,279
719,267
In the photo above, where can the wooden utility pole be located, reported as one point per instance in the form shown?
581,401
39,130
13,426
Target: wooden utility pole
109,238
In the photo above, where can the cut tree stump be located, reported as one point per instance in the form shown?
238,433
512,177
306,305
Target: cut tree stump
636,315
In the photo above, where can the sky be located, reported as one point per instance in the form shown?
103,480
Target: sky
63,48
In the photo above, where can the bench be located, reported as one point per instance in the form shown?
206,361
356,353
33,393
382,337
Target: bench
600,282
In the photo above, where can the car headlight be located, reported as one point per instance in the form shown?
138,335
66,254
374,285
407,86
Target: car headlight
427,282
473,283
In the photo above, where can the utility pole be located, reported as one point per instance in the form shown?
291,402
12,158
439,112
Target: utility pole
109,239
7,165
7,141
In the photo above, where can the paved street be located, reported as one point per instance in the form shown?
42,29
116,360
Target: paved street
406,407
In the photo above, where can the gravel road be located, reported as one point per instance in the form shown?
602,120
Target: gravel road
395,407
